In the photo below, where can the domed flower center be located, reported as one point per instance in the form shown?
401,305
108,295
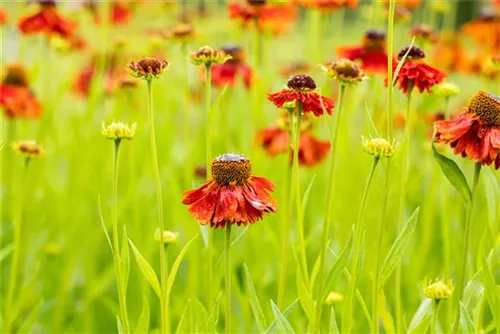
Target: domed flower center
231,169
45,4
486,106
346,68
415,53
256,3
183,30
374,39
151,65
16,76
301,82
234,51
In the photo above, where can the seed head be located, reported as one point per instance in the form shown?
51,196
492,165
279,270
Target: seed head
167,237
334,298
182,32
424,32
231,169
235,51
118,131
208,55
301,82
147,68
16,76
257,3
415,53
438,290
486,106
28,148
345,71
378,147
446,89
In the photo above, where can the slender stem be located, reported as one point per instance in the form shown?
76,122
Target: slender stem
294,190
435,316
258,47
16,250
378,250
347,313
228,276
467,236
208,159
328,210
122,293
165,326
447,111
390,51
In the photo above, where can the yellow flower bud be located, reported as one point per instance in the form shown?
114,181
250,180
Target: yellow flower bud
378,147
438,290
169,237
334,298
119,131
28,148
446,89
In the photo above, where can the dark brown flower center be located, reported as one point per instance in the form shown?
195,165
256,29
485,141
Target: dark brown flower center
375,34
486,106
150,65
231,169
487,15
256,3
16,76
415,53
234,51
301,82
346,68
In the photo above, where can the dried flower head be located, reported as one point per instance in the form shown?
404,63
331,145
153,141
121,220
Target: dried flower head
446,89
345,71
438,290
424,32
16,76
182,32
147,68
379,147
208,55
28,148
334,298
167,237
118,131
413,53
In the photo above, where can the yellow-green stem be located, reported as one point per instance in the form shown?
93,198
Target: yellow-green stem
208,160
347,312
328,210
435,316
120,280
165,326
16,250
467,236
390,52
227,246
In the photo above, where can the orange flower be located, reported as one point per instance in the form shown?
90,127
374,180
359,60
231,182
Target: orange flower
302,88
16,98
232,196
328,5
410,4
416,73
233,68
3,16
485,30
275,18
113,75
47,21
371,53
448,53
476,132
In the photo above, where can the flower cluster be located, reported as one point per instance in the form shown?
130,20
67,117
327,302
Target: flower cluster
345,71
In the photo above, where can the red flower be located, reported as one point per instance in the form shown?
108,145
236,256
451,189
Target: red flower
301,88
275,18
328,5
235,67
232,195
120,13
485,30
16,98
48,21
371,53
416,73
113,74
476,132
3,16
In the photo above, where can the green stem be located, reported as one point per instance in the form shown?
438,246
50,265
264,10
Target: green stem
347,313
435,316
227,249
467,237
378,250
208,160
447,111
258,47
390,51
165,326
328,211
16,250
122,293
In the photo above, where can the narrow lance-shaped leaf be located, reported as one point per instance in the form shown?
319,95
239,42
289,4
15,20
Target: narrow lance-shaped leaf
181,327
103,224
254,301
466,324
398,248
125,258
281,319
272,327
338,266
143,322
176,265
454,174
492,292
146,269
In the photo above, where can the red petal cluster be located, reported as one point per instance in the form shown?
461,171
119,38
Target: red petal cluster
372,61
311,101
48,21
216,204
229,72
19,102
470,137
419,74
276,18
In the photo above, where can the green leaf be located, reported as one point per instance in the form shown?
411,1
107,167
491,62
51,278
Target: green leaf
385,315
398,248
181,327
283,324
337,267
466,324
334,328
472,291
119,325
491,291
143,322
146,269
125,258
274,324
254,301
402,61
6,251
454,174
422,317
305,198
27,326
176,265
104,225
213,318
373,128
305,296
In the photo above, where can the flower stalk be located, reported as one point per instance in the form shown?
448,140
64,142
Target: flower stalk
208,155
227,249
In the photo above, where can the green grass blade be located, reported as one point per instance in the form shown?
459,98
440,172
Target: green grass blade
422,316
6,251
176,265
273,326
466,324
283,324
181,327
143,322
146,269
334,328
103,224
125,258
492,292
260,318
338,266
